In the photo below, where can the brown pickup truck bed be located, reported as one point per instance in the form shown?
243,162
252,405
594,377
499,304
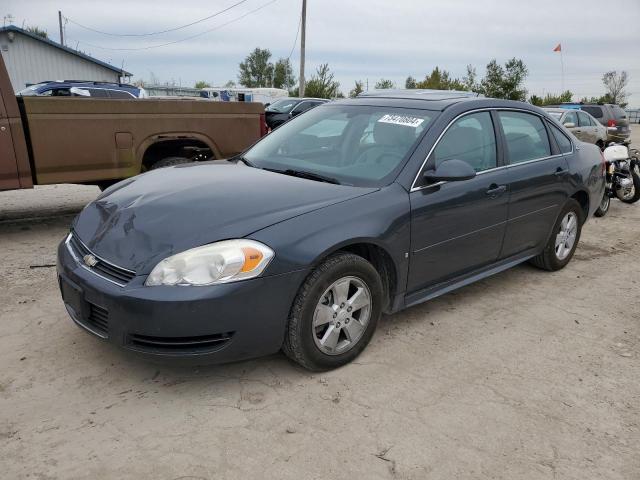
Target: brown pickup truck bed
97,141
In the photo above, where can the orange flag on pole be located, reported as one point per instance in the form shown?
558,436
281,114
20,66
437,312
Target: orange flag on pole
558,48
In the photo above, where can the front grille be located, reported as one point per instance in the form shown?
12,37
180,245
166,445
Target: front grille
98,319
116,274
199,344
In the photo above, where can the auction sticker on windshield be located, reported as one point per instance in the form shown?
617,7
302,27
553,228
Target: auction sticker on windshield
404,120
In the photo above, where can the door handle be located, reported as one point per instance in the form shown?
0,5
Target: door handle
496,190
561,172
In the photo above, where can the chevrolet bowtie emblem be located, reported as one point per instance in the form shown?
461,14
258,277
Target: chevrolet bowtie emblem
90,260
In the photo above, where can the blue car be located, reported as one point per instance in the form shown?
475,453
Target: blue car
351,209
81,88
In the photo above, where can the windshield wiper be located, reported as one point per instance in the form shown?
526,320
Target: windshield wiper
305,174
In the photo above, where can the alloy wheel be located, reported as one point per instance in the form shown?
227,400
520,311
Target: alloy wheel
566,237
342,315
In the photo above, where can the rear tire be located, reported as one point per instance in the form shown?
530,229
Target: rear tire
603,208
563,240
169,162
330,323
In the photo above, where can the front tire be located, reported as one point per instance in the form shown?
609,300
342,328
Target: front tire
335,313
169,162
633,194
563,240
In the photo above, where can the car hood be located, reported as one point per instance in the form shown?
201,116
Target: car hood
142,220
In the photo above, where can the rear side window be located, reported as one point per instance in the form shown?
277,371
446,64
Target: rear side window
561,139
471,138
594,111
118,94
98,92
525,135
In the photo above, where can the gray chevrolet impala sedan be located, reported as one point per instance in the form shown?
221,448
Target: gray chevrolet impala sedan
355,208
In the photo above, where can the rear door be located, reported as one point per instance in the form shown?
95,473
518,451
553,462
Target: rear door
457,227
538,181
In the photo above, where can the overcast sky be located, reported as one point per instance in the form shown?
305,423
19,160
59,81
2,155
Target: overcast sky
359,39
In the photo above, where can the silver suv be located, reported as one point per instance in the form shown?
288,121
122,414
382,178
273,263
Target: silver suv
614,118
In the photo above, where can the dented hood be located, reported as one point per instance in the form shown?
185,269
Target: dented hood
142,220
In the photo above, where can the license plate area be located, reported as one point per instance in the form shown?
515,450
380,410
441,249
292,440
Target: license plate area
72,297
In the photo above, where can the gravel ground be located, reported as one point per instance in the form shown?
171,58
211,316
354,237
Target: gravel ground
525,375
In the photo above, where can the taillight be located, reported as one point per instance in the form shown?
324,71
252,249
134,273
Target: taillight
263,125
611,123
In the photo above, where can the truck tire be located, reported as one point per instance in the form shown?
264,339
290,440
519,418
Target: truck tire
169,162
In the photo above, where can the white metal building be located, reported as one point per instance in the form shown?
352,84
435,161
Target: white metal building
32,59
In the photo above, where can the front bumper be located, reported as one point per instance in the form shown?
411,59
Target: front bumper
202,325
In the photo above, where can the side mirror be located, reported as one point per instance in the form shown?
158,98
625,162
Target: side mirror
450,171
569,125
79,92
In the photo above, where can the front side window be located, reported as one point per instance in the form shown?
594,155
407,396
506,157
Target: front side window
332,141
584,119
470,138
571,117
525,135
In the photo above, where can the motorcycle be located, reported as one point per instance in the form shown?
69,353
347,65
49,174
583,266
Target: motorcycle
622,176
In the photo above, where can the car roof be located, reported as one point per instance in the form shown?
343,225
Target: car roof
434,100
86,83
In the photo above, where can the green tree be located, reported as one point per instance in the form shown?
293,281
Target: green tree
469,80
201,84
505,82
384,84
283,74
256,70
551,99
615,84
440,80
357,89
41,32
230,84
322,84
410,82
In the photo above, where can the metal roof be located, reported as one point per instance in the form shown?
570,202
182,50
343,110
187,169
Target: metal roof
422,94
13,28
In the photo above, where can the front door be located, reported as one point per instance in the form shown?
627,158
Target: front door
457,227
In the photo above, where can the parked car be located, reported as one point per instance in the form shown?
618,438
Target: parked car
285,109
612,116
303,241
266,96
83,88
97,141
581,124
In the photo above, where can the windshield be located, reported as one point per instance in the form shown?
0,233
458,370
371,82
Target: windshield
29,91
282,106
355,145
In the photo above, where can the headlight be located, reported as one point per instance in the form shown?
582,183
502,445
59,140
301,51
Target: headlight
221,262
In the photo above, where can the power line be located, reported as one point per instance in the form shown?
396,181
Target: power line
187,38
295,42
158,32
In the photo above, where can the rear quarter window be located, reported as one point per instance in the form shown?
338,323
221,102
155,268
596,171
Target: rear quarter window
564,144
619,112
594,111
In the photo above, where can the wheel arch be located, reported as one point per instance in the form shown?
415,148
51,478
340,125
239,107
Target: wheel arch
147,151
375,253
582,197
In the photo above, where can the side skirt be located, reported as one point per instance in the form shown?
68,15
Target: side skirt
448,286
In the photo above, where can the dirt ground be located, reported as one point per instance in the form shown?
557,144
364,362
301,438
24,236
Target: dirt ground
526,375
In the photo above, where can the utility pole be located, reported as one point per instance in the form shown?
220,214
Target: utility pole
303,33
61,31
